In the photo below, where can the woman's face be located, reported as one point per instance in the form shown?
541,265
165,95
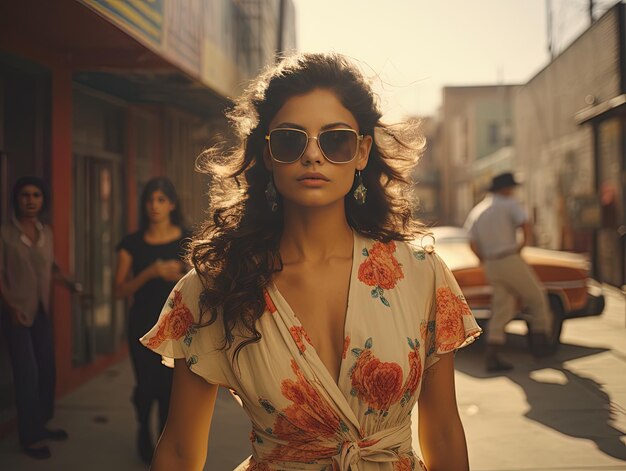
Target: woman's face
159,207
29,201
312,180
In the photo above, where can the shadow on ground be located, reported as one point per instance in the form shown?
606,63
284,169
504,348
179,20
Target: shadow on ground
558,398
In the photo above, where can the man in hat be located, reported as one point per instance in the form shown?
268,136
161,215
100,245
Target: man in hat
493,226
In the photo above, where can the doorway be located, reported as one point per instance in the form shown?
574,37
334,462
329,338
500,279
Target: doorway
98,318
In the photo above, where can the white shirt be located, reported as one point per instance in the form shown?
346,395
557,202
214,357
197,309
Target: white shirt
492,225
26,268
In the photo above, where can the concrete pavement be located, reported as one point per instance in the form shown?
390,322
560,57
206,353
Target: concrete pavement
100,420
565,413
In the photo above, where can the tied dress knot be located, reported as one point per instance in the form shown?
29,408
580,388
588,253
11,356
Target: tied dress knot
385,446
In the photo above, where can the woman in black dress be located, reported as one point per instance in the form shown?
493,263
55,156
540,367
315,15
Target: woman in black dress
149,263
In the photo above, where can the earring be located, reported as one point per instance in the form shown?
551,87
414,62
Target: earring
271,195
360,192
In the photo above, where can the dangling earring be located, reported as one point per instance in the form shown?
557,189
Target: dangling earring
271,195
360,192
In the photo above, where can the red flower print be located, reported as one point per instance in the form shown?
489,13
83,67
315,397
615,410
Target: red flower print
375,382
346,345
423,330
254,465
306,397
368,443
269,304
253,436
379,248
174,324
375,274
404,464
298,333
381,268
415,373
449,329
367,273
305,423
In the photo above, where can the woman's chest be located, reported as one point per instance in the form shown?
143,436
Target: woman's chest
378,365
317,300
145,254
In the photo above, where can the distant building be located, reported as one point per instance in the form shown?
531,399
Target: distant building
475,142
426,174
99,96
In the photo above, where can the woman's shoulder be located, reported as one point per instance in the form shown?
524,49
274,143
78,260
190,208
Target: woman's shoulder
420,248
191,282
188,292
131,241
410,260
135,236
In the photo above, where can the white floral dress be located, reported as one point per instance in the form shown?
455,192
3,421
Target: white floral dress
404,309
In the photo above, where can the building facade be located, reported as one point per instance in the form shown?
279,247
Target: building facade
97,97
569,123
426,174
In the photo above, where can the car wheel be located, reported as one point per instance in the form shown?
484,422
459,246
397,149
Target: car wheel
554,341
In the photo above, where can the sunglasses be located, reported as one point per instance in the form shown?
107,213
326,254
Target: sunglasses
338,146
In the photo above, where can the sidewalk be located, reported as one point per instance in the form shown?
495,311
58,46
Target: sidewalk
100,421
564,413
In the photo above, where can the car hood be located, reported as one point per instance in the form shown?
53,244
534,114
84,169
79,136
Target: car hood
458,255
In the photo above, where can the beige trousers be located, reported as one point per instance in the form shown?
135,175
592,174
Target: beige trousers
512,279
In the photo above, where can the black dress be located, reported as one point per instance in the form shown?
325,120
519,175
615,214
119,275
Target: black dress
153,379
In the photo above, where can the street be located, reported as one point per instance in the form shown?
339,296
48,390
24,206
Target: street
567,412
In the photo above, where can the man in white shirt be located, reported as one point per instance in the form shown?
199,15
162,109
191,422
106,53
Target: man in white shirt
493,226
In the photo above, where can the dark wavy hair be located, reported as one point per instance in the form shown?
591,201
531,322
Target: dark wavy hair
235,252
26,181
164,185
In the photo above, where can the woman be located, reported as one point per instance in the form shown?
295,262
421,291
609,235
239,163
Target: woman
148,266
307,298
27,261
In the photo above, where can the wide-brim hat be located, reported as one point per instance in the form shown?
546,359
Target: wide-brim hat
504,180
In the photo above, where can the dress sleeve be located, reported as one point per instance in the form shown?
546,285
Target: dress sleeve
179,333
451,324
128,243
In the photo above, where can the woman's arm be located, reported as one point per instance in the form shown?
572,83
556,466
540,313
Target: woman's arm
441,435
184,442
125,285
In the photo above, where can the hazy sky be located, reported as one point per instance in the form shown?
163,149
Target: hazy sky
414,47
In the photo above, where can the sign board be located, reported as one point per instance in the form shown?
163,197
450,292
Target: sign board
585,212
142,18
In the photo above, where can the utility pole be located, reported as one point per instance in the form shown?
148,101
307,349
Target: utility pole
549,26
590,12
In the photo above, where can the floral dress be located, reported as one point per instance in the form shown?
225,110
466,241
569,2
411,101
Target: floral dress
404,309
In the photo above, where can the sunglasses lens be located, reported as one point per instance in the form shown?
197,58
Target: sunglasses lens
339,145
287,145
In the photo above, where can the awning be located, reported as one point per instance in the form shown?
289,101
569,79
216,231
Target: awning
103,56
601,111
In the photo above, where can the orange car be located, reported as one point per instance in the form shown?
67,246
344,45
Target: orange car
564,275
